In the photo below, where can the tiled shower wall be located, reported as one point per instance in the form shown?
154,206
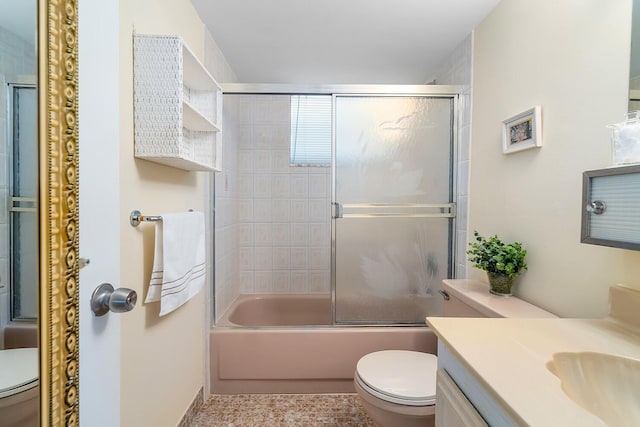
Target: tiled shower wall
456,69
222,194
283,211
18,58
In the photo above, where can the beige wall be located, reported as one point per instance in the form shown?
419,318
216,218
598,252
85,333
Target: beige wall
161,358
572,58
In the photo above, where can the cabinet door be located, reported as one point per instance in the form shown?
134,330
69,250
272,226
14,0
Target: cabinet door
611,200
453,409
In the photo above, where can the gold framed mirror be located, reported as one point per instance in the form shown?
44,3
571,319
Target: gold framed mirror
59,218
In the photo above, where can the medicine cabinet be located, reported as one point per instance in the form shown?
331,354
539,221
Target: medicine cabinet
177,106
611,207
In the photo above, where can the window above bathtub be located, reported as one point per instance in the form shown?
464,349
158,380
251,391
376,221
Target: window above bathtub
310,130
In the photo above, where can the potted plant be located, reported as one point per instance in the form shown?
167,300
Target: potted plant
503,262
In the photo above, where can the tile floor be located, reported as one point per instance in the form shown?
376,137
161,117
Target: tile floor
282,410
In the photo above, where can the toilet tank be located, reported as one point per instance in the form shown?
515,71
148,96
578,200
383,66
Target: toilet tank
471,298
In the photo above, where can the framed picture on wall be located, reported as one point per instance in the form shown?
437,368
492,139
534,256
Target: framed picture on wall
522,131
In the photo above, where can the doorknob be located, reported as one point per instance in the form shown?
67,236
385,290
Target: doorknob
105,299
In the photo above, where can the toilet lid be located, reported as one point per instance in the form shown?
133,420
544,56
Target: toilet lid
18,370
400,376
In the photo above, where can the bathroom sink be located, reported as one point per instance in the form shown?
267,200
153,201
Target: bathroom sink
608,386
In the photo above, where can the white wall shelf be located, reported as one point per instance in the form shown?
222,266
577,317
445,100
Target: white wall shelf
177,106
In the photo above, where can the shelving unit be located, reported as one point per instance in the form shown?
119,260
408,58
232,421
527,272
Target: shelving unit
177,106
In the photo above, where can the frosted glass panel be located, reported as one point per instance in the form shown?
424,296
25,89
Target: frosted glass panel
393,149
393,163
620,221
388,270
24,178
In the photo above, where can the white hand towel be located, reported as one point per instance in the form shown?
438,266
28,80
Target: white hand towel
178,261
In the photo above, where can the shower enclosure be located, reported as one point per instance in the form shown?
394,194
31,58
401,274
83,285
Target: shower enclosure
322,246
371,225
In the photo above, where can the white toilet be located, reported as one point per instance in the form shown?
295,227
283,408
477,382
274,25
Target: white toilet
19,389
398,387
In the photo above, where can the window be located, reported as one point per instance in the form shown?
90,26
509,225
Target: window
310,130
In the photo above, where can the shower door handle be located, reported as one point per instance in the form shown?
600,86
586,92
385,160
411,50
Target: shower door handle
23,204
337,210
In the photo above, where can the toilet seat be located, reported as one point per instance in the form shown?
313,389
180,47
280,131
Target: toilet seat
399,376
18,370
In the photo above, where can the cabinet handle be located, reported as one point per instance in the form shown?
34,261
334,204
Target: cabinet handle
597,207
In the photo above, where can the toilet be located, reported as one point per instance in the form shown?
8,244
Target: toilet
19,387
398,387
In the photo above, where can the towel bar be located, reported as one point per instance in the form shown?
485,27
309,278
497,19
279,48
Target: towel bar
136,217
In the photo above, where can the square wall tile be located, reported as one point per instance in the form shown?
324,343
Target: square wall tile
280,161
281,281
245,210
299,281
245,137
245,258
281,258
318,185
281,210
299,234
262,186
319,210
245,185
262,210
319,281
245,161
263,281
281,234
246,282
320,258
245,235
299,186
263,259
262,161
319,234
300,210
262,234
299,258
280,186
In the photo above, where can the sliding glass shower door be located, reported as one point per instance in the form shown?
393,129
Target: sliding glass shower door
23,265
393,207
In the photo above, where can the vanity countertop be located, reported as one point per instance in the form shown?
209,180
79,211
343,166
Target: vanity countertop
509,357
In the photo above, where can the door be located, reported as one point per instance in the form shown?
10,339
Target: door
99,209
23,185
393,206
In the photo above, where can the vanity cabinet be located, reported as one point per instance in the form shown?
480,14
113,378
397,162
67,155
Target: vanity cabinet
610,206
177,106
462,400
453,409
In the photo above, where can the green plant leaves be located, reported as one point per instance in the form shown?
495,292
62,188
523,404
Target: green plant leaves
495,256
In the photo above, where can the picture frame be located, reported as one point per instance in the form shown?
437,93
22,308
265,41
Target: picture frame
522,131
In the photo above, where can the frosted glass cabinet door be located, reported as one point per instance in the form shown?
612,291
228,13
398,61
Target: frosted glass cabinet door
393,218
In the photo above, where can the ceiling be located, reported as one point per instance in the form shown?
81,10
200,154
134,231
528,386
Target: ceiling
339,41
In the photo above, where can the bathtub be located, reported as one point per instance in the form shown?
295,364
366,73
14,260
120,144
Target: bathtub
285,344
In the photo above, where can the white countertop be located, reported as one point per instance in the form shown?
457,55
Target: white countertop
509,356
476,295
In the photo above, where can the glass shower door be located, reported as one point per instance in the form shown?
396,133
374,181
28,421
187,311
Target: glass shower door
393,207
23,203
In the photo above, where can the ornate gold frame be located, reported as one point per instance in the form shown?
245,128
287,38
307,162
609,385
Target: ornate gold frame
58,201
